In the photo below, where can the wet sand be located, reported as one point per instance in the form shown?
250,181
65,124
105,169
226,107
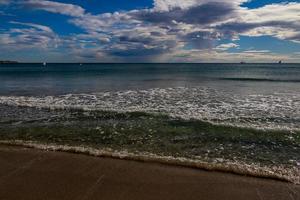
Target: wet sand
41,175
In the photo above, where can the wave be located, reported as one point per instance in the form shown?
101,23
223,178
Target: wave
262,80
274,111
278,173
79,122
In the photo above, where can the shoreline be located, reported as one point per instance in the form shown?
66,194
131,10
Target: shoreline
226,167
27,173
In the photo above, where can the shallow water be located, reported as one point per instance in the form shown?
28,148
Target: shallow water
220,113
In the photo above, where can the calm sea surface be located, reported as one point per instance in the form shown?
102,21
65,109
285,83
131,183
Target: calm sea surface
55,79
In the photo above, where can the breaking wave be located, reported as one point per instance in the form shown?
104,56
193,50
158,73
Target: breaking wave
274,111
240,168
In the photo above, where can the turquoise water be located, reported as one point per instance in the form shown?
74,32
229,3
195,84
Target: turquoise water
220,113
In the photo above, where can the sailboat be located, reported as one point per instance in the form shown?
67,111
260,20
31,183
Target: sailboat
44,63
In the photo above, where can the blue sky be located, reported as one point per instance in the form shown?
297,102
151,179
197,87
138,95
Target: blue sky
150,30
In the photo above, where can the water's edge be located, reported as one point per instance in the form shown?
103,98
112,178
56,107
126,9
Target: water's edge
226,167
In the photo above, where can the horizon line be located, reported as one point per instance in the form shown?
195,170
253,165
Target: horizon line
244,63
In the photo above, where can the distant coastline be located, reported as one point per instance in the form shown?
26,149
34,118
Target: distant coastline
8,61
147,63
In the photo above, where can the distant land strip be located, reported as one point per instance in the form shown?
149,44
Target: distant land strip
7,61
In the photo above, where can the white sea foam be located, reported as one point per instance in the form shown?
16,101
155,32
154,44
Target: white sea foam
255,170
275,111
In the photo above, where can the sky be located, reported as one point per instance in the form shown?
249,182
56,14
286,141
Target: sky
150,30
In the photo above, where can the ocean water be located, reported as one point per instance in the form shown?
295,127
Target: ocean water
247,114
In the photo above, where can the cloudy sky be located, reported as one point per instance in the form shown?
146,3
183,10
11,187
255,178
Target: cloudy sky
150,30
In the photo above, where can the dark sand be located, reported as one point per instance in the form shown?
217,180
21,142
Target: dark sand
33,174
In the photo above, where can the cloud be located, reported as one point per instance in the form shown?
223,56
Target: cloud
172,30
4,2
28,35
283,12
203,14
285,24
36,26
256,51
55,7
224,47
207,56
168,5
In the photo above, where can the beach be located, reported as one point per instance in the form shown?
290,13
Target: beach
34,174
160,99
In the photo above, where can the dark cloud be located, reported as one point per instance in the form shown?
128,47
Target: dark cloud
136,52
230,30
140,46
138,39
204,14
209,13
198,16
200,39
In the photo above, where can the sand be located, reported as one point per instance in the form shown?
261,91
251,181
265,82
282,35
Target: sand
34,174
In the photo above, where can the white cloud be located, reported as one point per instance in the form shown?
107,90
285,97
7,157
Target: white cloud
256,51
55,7
278,20
28,36
287,12
224,47
37,26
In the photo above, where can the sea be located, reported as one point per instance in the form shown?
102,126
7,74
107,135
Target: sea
241,118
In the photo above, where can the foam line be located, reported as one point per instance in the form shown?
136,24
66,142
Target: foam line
278,173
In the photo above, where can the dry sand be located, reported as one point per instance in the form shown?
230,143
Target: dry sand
40,175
